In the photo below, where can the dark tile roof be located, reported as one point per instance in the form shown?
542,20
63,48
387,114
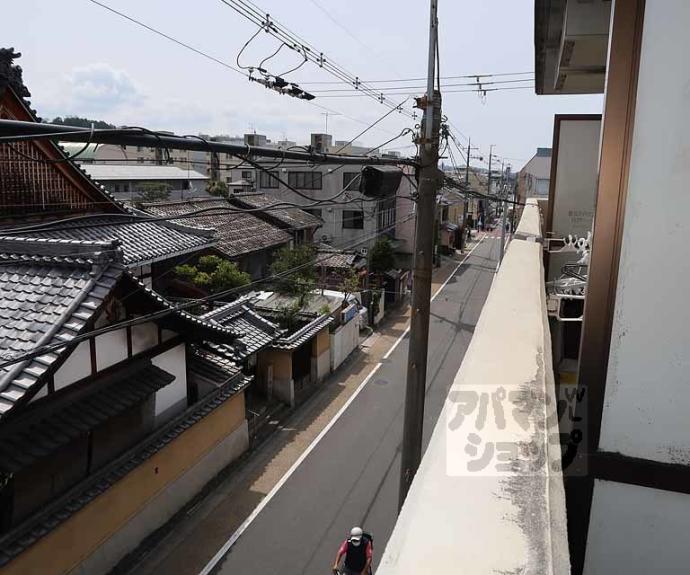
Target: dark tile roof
238,234
327,259
257,332
50,290
292,218
54,513
206,365
142,242
302,335
41,435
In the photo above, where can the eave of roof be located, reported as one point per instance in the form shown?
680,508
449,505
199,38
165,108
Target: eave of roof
59,510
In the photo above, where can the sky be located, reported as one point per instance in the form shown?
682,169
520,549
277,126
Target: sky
80,59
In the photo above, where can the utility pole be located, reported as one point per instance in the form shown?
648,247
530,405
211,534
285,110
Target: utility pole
504,195
466,201
421,286
488,187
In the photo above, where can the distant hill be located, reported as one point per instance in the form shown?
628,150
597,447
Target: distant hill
81,122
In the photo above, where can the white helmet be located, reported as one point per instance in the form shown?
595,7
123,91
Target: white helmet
356,535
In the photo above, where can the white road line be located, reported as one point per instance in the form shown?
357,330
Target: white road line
247,522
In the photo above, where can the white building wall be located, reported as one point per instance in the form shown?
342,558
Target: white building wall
172,399
144,336
647,393
344,341
111,348
76,367
637,531
332,230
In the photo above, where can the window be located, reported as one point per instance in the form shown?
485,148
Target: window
347,180
353,220
305,180
268,180
140,160
139,148
313,211
247,175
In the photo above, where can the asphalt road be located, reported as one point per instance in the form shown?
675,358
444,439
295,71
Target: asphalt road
351,476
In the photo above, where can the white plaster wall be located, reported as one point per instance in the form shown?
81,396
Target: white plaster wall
647,392
164,505
77,366
343,342
576,177
172,399
144,336
111,348
637,531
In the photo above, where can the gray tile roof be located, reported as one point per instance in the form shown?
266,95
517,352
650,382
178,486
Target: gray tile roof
257,332
142,242
211,367
55,512
327,259
47,299
302,335
238,234
44,434
292,218
50,290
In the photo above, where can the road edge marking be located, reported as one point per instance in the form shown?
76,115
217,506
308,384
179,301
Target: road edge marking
211,565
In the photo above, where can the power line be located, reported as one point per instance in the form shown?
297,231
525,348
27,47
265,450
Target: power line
260,18
203,53
418,87
482,91
11,360
397,80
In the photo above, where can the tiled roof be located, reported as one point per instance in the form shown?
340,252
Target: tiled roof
142,242
207,365
292,218
257,332
50,290
43,435
237,233
337,259
54,513
303,335
47,299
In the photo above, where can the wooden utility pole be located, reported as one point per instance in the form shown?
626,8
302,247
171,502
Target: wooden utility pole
429,182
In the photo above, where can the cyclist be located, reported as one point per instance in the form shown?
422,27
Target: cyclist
358,551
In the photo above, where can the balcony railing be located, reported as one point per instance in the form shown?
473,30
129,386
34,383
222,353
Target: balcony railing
488,497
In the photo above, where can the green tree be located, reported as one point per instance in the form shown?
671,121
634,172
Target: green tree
214,274
349,283
381,257
152,192
217,188
81,122
302,280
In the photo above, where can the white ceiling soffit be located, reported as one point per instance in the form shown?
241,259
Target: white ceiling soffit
571,44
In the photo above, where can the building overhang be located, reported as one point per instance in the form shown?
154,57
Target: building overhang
571,46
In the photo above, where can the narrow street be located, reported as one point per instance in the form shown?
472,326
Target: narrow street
351,475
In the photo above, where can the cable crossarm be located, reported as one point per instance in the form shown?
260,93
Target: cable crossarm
15,130
308,51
